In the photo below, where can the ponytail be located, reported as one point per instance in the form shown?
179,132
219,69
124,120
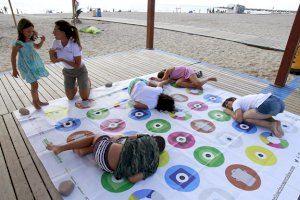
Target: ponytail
69,30
75,35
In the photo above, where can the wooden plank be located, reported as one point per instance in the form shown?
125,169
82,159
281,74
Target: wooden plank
5,106
17,175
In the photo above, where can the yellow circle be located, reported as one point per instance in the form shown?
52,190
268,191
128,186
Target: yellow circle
261,156
163,158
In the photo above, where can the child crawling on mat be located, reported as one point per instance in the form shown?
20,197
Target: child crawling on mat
134,157
183,76
257,109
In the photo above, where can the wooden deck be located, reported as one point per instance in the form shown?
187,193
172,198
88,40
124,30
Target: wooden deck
21,173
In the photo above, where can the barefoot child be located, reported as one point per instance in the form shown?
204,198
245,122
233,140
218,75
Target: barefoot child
184,76
135,157
30,64
257,109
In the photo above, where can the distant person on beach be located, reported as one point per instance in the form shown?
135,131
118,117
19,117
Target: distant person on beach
257,109
30,65
66,48
5,9
184,76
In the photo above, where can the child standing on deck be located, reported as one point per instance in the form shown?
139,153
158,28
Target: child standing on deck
30,64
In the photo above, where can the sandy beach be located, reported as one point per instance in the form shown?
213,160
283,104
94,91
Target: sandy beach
121,37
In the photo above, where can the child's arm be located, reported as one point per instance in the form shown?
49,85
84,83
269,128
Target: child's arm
136,178
39,45
162,83
167,73
75,64
237,115
13,57
139,105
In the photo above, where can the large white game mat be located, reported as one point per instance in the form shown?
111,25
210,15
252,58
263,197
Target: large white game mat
208,155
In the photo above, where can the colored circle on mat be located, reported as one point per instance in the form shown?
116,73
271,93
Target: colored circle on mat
174,84
123,104
194,91
182,178
79,135
146,194
244,127
163,158
243,177
213,98
83,104
219,115
197,106
110,183
179,97
215,193
288,127
261,155
158,126
229,139
203,126
57,112
113,125
139,114
128,133
67,124
209,156
270,140
181,140
99,113
181,115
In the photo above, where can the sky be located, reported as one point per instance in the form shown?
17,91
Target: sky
35,6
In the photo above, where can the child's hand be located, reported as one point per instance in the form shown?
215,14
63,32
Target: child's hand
15,73
43,38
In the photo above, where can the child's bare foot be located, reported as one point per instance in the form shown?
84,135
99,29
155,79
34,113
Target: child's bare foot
36,105
276,129
54,148
212,79
43,103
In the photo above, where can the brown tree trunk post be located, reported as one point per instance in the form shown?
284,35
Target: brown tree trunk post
73,12
150,24
12,12
289,52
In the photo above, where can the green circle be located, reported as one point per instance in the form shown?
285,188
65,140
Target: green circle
109,182
219,115
209,156
163,158
174,84
99,113
158,126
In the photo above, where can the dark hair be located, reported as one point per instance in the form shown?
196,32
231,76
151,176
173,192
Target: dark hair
161,143
165,103
161,73
23,24
224,104
69,30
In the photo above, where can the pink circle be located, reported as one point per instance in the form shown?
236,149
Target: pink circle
197,106
113,125
181,140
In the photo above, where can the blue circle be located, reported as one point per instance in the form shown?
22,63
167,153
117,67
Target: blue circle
138,114
182,178
244,127
67,124
145,194
128,133
213,98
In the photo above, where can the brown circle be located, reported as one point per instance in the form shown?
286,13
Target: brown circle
207,127
247,175
78,135
179,97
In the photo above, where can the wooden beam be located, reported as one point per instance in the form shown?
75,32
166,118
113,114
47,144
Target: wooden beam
12,12
289,52
73,12
150,24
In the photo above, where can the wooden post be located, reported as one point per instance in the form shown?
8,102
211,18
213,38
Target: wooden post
150,24
73,11
289,53
12,12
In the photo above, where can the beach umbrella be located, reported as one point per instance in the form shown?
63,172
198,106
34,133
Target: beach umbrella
12,12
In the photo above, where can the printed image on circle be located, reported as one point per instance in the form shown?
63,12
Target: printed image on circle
57,112
146,194
139,114
194,91
123,104
209,156
243,177
213,98
181,140
219,115
215,193
261,156
203,126
174,84
181,115
270,140
179,97
97,114
158,126
197,106
113,125
110,183
182,178
67,124
229,139
288,127
128,133
83,104
244,127
79,135
163,158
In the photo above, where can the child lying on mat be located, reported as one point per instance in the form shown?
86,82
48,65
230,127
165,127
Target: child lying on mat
257,109
135,157
149,95
184,76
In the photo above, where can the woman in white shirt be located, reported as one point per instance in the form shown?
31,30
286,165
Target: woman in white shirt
66,48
